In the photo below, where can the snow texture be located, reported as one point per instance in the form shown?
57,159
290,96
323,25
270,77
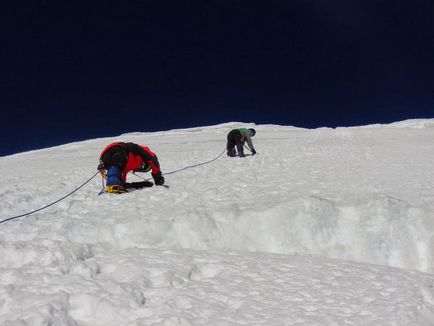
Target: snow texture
322,227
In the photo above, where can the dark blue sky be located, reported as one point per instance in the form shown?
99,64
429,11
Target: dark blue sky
74,70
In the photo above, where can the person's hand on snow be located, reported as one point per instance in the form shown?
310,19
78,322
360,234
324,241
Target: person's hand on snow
158,179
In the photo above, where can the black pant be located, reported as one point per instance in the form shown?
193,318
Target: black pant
115,156
234,139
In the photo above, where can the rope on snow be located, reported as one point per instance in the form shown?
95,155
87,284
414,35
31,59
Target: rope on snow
55,202
93,176
195,165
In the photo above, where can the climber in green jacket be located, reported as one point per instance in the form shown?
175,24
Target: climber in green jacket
237,138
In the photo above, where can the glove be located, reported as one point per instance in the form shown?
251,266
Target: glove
158,179
253,152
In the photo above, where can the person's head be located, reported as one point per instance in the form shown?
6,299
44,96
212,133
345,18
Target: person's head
252,132
145,167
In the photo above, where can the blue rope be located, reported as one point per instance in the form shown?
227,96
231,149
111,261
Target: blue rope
185,168
93,176
172,172
195,165
40,209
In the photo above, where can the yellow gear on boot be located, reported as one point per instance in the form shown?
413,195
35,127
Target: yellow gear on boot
115,189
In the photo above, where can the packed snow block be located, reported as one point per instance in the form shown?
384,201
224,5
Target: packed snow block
398,234
201,271
301,226
377,229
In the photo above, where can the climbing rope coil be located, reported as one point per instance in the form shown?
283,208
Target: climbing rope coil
103,176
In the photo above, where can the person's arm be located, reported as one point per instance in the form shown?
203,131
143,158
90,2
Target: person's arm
149,157
250,143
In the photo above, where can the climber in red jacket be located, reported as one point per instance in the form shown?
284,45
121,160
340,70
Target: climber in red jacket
117,159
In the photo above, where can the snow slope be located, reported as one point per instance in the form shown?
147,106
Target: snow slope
322,227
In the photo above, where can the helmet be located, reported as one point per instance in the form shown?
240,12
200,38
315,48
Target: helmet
252,131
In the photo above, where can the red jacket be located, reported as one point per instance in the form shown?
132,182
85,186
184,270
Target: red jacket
137,154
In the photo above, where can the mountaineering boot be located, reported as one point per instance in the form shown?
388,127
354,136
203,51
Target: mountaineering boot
115,189
114,182
231,152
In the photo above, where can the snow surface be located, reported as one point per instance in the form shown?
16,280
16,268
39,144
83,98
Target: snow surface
322,227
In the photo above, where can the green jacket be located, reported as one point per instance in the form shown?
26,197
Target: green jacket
246,136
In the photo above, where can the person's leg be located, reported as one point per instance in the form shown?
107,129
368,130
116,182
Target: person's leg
114,174
239,144
230,147
115,159
240,149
